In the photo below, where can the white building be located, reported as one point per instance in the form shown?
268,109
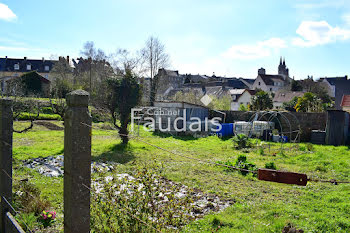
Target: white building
240,96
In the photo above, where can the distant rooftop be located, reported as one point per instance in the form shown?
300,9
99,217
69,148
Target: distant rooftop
345,102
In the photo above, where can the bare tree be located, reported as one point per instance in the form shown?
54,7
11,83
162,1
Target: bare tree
155,57
124,61
92,68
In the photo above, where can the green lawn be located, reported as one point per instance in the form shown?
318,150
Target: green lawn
259,206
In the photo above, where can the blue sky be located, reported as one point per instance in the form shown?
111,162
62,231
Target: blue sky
231,38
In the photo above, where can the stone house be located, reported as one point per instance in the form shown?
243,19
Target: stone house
240,96
12,68
331,83
283,96
272,83
170,82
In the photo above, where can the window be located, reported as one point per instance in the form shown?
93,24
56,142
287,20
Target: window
270,88
47,68
259,83
16,67
29,67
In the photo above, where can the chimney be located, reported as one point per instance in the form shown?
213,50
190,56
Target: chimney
261,71
25,58
43,59
6,57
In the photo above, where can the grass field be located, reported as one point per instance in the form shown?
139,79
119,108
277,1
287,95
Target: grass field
259,206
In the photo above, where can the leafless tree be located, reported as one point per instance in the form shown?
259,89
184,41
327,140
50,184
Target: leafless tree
155,57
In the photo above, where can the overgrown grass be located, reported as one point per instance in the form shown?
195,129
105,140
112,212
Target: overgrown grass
260,206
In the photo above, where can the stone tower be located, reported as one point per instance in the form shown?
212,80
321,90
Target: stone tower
282,68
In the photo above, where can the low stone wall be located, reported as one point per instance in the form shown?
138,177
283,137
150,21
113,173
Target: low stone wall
308,120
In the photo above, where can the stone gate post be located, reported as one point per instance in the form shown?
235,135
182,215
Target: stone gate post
6,131
77,163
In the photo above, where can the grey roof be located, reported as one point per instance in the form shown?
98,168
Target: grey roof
249,80
333,80
172,72
286,96
236,83
196,78
269,79
8,64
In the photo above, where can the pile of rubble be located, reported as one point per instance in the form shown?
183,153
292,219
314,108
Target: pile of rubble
53,166
202,203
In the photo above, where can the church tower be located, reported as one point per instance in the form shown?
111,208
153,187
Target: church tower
282,69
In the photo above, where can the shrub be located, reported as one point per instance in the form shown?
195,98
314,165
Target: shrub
241,141
46,110
27,198
29,218
271,165
242,163
28,116
309,147
261,151
139,203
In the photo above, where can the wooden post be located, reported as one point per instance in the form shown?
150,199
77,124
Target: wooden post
6,124
77,163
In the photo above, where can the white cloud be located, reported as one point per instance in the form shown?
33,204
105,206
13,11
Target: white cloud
10,49
314,33
257,50
346,19
6,13
308,5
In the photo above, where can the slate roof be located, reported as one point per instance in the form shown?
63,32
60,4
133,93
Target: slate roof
342,87
269,79
196,78
249,80
8,64
333,80
172,72
345,102
286,96
236,83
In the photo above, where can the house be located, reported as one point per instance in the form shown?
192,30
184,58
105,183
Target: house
11,68
330,83
285,96
337,88
272,82
171,82
240,96
345,103
30,83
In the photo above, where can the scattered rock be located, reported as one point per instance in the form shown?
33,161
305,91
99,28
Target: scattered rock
53,166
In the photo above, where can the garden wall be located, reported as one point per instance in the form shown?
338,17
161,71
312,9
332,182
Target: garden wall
308,120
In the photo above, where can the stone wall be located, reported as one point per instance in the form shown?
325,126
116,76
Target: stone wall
308,121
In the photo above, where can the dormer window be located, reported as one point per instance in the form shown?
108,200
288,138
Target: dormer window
29,67
47,68
16,67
